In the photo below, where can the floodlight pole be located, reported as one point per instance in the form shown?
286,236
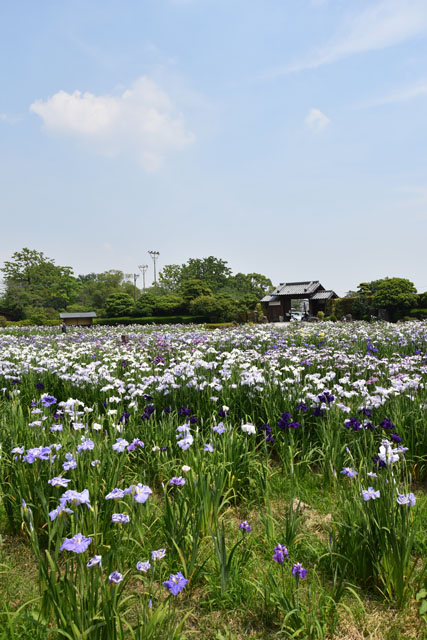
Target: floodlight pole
135,276
143,268
155,256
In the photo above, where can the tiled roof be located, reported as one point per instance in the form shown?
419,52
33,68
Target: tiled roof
269,298
297,288
80,314
323,295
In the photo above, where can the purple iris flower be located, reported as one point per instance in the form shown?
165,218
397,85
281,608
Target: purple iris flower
220,429
120,518
349,472
115,494
408,498
245,526
75,497
136,443
115,577
387,424
140,492
280,552
120,445
94,561
48,401
352,423
177,481
59,511
184,411
298,571
370,494
59,482
176,583
78,543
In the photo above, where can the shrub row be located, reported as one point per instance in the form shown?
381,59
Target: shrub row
125,320
418,313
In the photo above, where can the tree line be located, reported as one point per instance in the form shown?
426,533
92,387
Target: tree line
36,290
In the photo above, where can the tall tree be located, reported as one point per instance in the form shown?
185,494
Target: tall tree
97,287
395,293
170,277
214,272
253,284
34,281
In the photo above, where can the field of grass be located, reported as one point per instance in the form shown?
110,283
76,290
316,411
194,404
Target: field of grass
248,482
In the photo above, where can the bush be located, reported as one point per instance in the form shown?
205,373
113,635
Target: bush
169,304
421,314
41,316
213,308
118,304
342,307
219,325
126,320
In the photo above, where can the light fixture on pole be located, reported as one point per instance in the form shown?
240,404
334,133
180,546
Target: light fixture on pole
143,268
135,276
155,256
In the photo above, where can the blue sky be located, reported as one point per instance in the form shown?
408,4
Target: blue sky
286,137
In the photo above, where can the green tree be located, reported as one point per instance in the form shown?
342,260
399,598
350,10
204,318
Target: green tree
214,272
34,281
394,294
119,304
145,305
97,287
251,284
194,288
170,277
213,308
169,305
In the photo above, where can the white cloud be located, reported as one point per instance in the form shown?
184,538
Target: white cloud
143,119
402,95
381,25
316,120
10,119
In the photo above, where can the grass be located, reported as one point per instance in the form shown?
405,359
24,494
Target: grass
365,615
289,488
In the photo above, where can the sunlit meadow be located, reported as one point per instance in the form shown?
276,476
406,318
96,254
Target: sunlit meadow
248,482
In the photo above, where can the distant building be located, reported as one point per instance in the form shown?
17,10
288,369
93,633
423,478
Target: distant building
80,318
277,305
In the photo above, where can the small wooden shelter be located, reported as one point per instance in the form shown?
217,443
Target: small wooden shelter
78,319
277,305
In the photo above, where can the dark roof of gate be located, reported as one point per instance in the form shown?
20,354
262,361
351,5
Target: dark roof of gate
270,298
308,287
324,295
80,314
297,288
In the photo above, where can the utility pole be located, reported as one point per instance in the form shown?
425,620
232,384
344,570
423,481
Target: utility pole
135,276
155,256
143,268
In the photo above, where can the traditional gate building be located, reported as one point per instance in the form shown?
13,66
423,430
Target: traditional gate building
277,305
80,319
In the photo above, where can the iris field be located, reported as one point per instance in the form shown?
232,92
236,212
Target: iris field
248,482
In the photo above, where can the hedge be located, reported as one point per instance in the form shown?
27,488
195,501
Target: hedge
126,320
418,313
